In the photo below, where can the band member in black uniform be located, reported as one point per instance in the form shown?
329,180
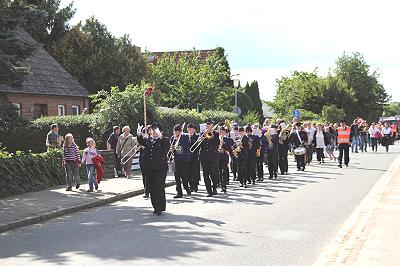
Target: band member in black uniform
179,151
209,158
272,151
254,144
261,156
234,134
155,159
224,152
283,147
242,156
194,163
299,139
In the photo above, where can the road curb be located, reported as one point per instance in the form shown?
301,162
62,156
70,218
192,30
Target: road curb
80,207
346,243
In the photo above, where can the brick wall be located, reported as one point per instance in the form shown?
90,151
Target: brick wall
27,102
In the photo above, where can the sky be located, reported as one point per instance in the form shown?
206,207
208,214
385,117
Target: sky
264,40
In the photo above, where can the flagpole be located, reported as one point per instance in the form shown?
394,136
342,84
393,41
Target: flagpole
145,109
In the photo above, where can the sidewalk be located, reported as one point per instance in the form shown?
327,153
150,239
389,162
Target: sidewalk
371,235
35,207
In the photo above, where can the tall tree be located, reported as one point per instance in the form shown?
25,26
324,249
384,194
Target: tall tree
253,92
13,49
186,80
370,96
98,59
49,23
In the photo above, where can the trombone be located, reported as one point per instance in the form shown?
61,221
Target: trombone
126,158
206,135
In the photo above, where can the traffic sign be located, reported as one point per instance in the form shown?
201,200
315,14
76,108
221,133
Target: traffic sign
296,113
237,110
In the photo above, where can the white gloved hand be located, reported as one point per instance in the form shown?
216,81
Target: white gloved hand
139,129
158,132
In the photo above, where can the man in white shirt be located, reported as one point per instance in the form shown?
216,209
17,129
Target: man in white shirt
373,131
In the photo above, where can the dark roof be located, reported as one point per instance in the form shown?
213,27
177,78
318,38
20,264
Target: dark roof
48,76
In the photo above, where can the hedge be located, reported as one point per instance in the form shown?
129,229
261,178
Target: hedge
32,172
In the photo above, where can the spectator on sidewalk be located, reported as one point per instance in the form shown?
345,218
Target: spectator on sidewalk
112,142
320,140
330,147
53,139
363,131
387,136
356,137
88,153
373,133
71,162
125,149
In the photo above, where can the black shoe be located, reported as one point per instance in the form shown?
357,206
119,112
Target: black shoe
276,175
270,177
196,189
254,182
68,189
319,162
223,190
241,185
189,192
77,186
210,196
157,212
298,169
89,190
302,169
340,166
214,192
245,186
347,165
96,187
178,196
146,195
282,173
249,182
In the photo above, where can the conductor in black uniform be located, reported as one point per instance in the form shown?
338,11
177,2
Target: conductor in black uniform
254,145
209,158
155,159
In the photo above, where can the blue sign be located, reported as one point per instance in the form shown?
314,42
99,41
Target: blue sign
296,113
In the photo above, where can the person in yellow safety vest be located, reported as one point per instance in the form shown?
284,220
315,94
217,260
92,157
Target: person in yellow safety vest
343,140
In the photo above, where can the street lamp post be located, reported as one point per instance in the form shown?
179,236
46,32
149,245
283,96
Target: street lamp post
236,83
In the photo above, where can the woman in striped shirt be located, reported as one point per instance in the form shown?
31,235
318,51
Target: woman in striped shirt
72,162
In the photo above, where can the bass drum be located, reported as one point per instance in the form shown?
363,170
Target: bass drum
299,151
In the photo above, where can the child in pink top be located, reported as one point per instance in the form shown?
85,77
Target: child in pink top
87,158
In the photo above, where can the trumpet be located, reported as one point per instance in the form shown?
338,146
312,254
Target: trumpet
284,134
206,135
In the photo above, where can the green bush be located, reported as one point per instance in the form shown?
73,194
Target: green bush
251,117
77,125
32,172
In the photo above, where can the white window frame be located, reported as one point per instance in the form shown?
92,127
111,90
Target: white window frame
76,110
18,106
59,108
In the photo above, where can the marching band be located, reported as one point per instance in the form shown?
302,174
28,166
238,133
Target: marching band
225,148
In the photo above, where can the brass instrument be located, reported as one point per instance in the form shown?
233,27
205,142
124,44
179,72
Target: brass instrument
238,147
228,124
175,147
284,134
206,135
131,153
267,134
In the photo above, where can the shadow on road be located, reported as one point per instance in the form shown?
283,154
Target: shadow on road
109,235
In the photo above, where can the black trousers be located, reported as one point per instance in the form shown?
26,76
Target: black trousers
283,158
223,173
194,173
301,161
156,186
260,167
344,151
117,163
144,178
320,154
210,174
272,163
181,176
242,171
234,167
251,168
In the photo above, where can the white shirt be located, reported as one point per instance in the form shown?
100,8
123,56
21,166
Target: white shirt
372,131
320,139
386,131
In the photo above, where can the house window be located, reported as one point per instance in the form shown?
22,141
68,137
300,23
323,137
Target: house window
39,110
75,110
18,106
61,110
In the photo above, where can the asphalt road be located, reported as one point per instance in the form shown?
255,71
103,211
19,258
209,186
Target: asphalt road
282,222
